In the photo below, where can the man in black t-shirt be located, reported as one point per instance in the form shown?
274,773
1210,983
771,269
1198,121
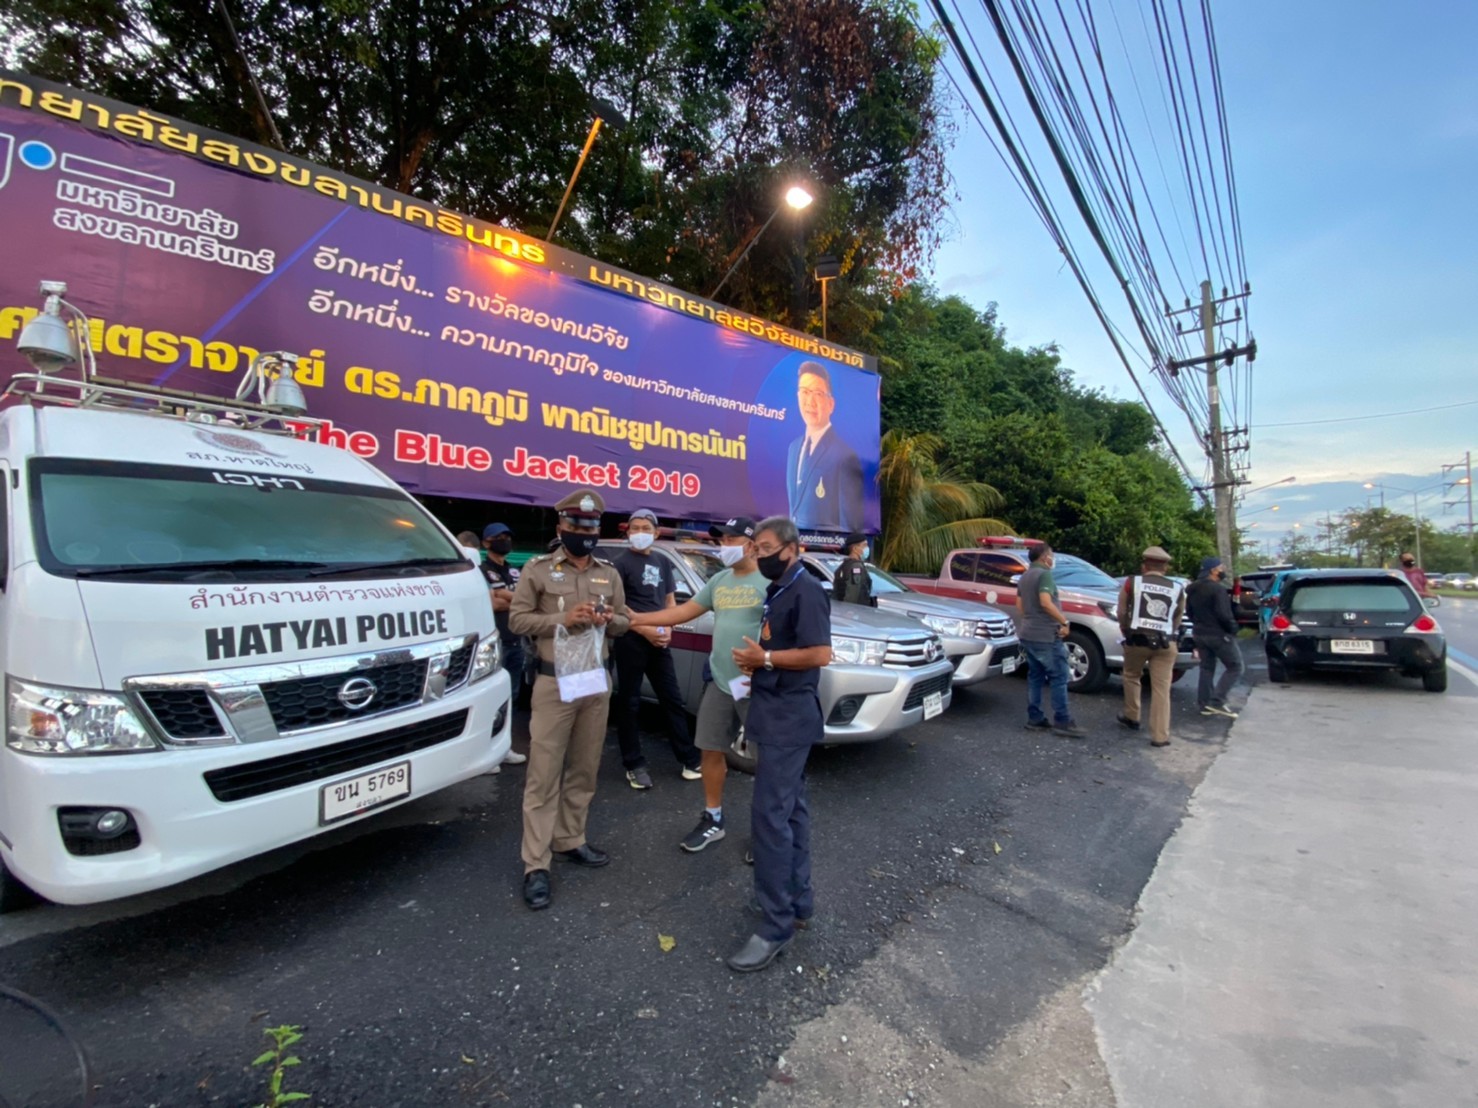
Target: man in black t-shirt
648,582
502,579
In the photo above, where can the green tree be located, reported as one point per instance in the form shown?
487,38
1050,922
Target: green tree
929,510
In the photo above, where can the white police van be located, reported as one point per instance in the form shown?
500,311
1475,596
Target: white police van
217,638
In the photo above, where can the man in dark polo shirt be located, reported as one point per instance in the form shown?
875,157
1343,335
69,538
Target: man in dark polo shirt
502,579
644,652
784,722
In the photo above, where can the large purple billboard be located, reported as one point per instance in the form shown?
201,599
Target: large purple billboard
464,359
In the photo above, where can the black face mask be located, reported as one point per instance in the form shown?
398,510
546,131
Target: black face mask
773,566
579,546
501,545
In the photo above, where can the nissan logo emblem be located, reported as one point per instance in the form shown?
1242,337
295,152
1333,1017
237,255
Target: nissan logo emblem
356,693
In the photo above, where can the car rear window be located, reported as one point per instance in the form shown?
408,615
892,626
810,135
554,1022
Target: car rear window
1350,596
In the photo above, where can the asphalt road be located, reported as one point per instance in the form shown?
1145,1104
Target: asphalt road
402,947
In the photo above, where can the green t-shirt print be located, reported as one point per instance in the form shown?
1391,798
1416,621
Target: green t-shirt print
738,606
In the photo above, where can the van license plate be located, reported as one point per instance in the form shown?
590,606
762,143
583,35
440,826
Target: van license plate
933,704
1352,646
1008,665
353,795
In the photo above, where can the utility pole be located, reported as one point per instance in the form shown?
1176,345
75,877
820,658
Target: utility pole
1467,466
1223,483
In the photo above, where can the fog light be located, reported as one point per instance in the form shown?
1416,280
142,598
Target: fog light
92,831
845,710
111,823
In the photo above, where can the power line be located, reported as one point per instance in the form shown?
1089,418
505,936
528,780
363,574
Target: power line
1377,415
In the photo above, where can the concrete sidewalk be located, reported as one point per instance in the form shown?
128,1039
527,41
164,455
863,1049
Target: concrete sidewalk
1310,935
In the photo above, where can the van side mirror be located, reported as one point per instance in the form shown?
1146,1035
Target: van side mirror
1432,601
681,592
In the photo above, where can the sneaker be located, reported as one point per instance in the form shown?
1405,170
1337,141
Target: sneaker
639,778
692,773
1038,725
1219,710
1125,721
1070,729
513,758
492,772
709,830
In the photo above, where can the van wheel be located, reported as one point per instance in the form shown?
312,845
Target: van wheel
1085,666
1278,670
14,893
1435,680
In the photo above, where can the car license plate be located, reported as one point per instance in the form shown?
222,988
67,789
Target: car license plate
1008,665
1352,646
353,795
933,704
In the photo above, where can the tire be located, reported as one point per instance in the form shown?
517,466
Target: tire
738,763
1087,671
1435,680
1278,671
14,893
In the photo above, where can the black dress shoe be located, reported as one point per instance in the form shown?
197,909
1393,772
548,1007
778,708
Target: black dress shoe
801,922
584,855
536,889
756,954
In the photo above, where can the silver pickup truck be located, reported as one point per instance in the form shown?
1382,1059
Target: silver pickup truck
979,641
888,671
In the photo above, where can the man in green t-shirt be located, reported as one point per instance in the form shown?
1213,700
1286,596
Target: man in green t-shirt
736,597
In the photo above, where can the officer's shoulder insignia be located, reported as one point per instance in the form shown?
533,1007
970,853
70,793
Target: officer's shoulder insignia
598,560
539,559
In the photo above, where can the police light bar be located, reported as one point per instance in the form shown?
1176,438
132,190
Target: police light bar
1005,540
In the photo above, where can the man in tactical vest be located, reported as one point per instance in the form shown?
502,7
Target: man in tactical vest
852,583
1151,607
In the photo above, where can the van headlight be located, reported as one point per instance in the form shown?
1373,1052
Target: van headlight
45,720
950,628
857,652
486,658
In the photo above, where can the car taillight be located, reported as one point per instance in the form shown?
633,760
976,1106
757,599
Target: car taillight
1280,622
1423,623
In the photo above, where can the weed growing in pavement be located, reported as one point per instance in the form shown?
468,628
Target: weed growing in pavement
282,1038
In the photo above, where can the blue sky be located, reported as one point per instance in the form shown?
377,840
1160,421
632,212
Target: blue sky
1355,143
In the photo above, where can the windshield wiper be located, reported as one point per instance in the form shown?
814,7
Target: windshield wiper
371,567
196,567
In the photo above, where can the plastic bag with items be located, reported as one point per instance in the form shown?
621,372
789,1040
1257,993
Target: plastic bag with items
578,665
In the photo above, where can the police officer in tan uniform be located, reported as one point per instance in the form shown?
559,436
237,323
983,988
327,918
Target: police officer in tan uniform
571,587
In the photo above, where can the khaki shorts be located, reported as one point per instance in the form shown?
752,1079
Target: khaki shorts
719,718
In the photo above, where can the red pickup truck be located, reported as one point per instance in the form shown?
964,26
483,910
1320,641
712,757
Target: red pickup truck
1087,596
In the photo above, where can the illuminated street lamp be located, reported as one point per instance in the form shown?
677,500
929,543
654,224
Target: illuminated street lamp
796,198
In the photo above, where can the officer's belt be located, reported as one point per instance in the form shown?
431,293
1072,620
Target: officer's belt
546,669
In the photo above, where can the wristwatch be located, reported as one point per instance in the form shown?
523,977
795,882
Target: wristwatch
768,663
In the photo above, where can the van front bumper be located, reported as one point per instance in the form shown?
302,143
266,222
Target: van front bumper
175,796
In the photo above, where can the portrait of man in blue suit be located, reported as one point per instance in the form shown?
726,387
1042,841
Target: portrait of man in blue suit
823,473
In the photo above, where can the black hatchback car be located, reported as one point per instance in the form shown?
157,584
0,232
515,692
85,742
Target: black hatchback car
1355,619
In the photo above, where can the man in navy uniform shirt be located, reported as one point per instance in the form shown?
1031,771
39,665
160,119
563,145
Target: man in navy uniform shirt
823,474
784,722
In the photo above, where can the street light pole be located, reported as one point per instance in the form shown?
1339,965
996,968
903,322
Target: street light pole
796,198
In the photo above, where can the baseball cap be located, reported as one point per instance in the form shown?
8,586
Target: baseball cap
494,529
645,513
742,525
1208,564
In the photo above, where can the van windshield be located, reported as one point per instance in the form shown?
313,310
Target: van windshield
152,522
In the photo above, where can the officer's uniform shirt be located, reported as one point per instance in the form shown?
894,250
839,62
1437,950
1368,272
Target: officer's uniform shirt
503,576
785,708
550,586
852,583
